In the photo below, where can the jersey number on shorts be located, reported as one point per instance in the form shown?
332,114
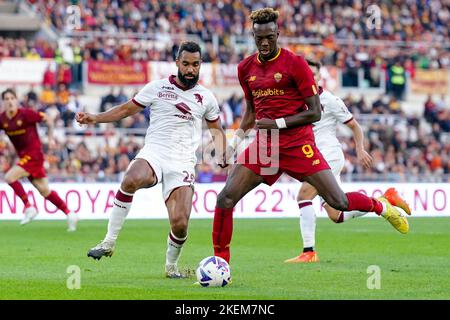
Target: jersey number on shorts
190,177
308,151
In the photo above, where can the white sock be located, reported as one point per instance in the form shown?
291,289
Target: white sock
307,223
174,246
122,205
353,214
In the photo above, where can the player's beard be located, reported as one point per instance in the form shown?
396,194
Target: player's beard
189,83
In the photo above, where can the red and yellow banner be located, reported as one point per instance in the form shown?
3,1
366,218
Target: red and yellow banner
430,82
115,73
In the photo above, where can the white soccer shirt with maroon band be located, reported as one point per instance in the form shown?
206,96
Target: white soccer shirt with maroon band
176,117
175,130
334,111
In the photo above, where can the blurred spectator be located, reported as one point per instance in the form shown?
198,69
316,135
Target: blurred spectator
64,74
397,80
31,97
108,101
49,78
121,97
62,97
47,96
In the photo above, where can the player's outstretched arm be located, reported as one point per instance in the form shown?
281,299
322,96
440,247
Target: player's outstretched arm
112,115
358,135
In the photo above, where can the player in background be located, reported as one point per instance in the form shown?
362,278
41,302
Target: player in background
334,111
282,96
19,125
178,105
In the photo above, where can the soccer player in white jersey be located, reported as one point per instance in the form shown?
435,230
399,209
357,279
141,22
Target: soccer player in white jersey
334,111
178,105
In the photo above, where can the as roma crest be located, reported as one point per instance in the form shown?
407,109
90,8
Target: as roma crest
278,76
19,123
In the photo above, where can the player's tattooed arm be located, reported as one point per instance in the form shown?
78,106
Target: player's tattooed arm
112,115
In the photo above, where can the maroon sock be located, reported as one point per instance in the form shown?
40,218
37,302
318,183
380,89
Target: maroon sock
19,190
361,202
340,218
58,202
121,196
222,231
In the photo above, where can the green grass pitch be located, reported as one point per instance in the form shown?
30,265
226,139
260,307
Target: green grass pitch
34,260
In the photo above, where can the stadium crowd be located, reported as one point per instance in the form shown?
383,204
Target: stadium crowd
322,22
328,30
411,20
403,148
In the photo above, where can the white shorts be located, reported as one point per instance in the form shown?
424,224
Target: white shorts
170,174
336,165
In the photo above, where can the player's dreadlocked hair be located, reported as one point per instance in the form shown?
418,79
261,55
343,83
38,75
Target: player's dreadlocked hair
264,15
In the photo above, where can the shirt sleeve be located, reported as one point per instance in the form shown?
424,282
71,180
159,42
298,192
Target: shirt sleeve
34,116
145,96
304,78
212,109
244,84
340,110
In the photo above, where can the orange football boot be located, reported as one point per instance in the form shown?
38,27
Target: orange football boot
394,198
305,257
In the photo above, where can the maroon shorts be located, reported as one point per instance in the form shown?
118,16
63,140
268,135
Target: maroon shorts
34,167
298,162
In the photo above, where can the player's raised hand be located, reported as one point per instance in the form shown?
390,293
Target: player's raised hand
266,124
364,158
85,118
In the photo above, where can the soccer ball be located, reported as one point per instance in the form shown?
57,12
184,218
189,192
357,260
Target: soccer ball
213,272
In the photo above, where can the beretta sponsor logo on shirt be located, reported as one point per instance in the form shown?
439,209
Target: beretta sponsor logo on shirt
167,95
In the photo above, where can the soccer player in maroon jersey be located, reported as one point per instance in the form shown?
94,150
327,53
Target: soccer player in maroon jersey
282,97
20,126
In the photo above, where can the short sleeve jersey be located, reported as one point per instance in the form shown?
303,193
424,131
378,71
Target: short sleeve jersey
334,111
278,88
176,116
22,131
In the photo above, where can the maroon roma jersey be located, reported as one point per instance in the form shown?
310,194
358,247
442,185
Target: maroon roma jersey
22,131
278,88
